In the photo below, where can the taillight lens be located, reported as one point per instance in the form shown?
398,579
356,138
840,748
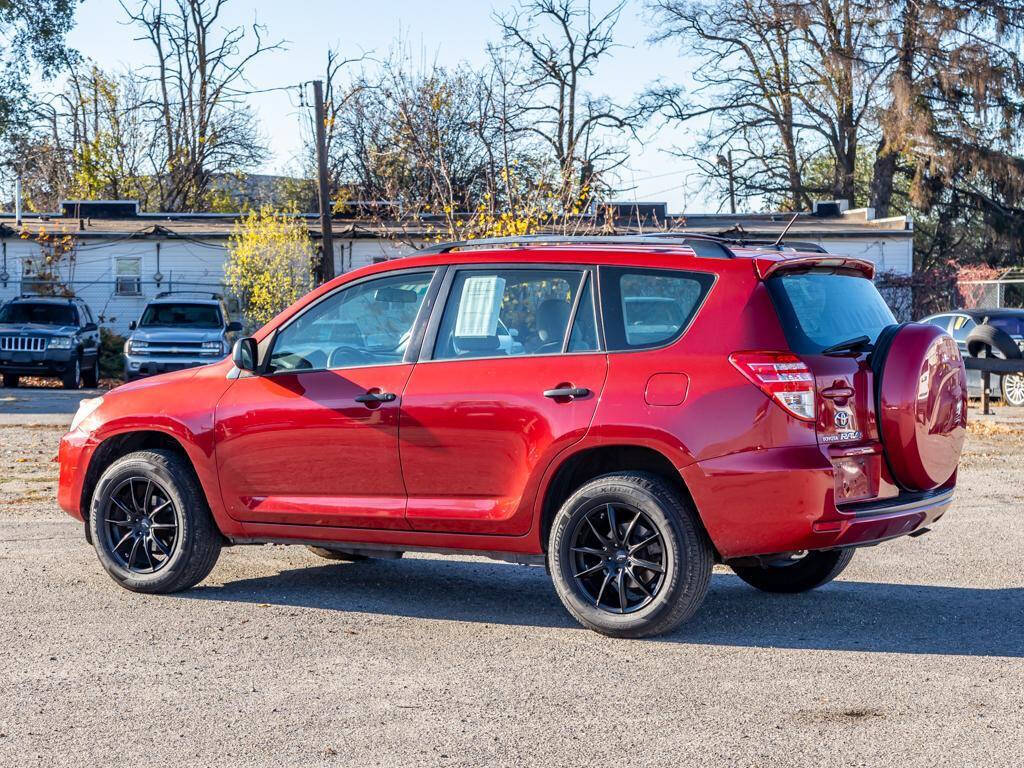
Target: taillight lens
782,376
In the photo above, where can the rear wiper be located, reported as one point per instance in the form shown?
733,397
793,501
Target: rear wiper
856,344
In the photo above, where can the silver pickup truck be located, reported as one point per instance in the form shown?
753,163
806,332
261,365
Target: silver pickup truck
178,330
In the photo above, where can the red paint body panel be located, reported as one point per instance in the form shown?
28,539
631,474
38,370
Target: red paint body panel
477,435
297,448
464,455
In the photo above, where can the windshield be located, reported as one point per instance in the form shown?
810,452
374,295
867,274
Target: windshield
822,308
42,313
181,316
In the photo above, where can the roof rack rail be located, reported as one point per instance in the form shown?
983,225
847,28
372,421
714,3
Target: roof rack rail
215,296
698,242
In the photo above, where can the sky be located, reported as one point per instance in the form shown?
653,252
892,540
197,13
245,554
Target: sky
445,31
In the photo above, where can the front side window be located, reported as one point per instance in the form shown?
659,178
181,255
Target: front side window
510,312
368,323
182,316
962,325
647,308
942,321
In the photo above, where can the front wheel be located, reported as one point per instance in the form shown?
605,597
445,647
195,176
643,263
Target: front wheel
72,378
810,571
1013,390
150,524
628,556
91,375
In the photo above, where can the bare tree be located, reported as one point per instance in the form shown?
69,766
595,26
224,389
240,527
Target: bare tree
562,41
781,83
199,84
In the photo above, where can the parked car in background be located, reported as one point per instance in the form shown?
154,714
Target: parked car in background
49,336
178,329
993,332
774,420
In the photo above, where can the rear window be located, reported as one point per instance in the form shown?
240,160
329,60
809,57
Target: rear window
1012,325
646,308
822,308
182,316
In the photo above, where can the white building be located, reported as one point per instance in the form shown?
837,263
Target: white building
124,257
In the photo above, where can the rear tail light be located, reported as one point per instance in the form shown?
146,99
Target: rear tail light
782,376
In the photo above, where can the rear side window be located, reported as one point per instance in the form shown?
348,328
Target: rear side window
511,312
646,308
822,308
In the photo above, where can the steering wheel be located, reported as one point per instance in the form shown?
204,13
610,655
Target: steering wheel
347,355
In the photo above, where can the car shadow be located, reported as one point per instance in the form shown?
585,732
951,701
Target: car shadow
845,615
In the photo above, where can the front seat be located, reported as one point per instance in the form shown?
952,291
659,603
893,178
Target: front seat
552,318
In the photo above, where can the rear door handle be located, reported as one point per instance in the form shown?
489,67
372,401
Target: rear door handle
376,397
569,392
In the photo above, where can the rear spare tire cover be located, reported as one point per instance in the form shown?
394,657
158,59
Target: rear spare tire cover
921,388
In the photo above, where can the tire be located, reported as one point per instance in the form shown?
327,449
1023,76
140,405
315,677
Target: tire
91,377
72,378
993,338
353,557
1012,388
194,545
813,570
647,507
11,380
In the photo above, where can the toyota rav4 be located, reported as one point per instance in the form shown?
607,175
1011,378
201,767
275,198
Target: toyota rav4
667,404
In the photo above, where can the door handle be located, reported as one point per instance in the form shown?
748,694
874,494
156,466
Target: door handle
376,397
569,392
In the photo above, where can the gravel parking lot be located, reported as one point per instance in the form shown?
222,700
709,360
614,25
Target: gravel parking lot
915,657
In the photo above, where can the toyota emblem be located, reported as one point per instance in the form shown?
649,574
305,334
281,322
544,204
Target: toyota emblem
842,419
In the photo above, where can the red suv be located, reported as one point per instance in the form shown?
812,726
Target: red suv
627,411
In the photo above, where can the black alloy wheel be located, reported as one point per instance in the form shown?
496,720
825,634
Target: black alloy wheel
141,524
628,555
618,557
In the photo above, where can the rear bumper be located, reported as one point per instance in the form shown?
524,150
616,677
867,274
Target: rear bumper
783,500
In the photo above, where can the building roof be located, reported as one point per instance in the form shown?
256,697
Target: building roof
210,226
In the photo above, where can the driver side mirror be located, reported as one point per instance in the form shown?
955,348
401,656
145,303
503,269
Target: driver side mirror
234,327
245,354
89,328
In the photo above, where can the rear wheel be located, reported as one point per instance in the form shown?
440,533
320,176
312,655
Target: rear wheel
1013,390
810,571
354,557
628,556
150,524
72,378
11,380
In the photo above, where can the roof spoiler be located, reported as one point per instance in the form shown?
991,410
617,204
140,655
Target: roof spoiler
765,268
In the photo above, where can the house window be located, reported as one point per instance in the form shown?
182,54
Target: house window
128,276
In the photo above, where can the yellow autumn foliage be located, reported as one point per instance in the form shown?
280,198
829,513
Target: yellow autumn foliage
270,263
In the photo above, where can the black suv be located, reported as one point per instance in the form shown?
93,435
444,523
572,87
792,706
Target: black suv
49,336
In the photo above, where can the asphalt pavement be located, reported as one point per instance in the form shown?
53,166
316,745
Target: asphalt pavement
914,657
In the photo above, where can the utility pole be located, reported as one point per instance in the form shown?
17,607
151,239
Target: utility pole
326,235
726,162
